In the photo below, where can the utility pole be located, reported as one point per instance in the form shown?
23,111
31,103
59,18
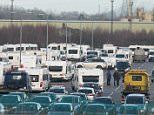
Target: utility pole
47,35
111,17
12,10
130,14
66,35
81,16
92,36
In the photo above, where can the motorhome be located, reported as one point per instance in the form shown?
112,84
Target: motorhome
60,70
39,78
83,75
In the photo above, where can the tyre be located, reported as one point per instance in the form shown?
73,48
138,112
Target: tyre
79,66
99,66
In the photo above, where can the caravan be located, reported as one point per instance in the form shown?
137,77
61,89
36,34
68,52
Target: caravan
39,78
60,70
83,76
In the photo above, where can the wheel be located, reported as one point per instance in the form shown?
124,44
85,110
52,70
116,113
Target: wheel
79,66
99,66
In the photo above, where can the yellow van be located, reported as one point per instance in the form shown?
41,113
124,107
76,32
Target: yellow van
137,81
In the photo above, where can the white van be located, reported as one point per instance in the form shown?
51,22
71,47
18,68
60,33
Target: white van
110,49
39,78
84,75
60,69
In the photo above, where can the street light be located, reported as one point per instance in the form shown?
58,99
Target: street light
47,33
111,17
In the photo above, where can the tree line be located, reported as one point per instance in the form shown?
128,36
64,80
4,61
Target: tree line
37,34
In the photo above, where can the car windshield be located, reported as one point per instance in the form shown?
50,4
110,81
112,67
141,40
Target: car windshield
131,110
95,108
120,56
92,53
61,108
27,108
58,90
41,99
70,99
122,65
103,55
103,100
9,99
95,60
134,100
86,91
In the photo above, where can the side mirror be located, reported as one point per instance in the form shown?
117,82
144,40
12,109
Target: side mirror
152,81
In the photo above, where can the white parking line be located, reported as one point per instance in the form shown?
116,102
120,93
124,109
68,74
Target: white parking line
115,90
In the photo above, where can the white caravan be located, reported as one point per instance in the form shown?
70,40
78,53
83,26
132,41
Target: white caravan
110,49
83,75
60,69
74,53
39,78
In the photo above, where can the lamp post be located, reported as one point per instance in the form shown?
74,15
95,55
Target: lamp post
80,17
21,35
12,10
111,17
92,36
47,33
66,35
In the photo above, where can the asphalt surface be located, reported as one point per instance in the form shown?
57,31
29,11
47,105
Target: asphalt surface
115,91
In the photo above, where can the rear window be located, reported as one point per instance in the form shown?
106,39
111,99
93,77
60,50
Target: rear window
34,78
134,100
55,68
136,78
72,51
90,78
16,77
86,91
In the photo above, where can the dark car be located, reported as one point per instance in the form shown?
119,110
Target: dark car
29,108
17,80
122,67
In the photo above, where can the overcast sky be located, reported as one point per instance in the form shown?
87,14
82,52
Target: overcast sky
87,6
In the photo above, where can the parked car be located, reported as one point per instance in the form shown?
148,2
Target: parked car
29,108
10,102
44,101
88,91
61,109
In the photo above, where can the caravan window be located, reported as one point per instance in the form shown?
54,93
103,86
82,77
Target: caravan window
90,78
110,51
10,49
136,78
34,78
54,48
72,51
55,68
18,48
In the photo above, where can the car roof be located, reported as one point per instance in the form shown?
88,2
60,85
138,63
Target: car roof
136,95
86,88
